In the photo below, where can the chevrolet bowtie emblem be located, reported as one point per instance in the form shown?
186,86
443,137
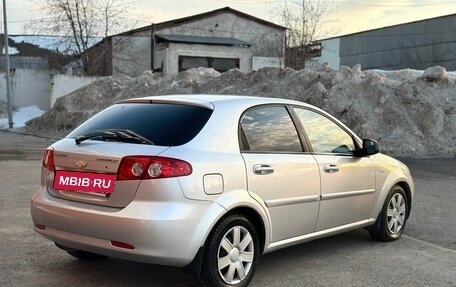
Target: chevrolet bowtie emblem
80,164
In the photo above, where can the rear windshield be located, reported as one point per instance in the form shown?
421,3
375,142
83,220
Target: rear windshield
162,124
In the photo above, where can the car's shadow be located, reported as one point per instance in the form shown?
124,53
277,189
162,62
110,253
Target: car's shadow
114,272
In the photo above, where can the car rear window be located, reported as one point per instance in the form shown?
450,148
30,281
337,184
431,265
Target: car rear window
163,124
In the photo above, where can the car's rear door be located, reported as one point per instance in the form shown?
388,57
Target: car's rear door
347,181
279,172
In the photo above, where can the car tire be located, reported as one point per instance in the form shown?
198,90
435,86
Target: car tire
391,221
86,256
231,253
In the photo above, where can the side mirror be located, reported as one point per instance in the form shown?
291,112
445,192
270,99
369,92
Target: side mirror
370,147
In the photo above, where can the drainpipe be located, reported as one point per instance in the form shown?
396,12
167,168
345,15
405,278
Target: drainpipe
152,46
166,61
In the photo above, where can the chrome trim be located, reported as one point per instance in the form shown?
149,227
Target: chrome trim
330,168
346,194
291,200
262,169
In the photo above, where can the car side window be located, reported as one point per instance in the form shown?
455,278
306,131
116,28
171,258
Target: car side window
268,129
324,134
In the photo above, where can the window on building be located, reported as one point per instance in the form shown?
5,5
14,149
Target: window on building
219,64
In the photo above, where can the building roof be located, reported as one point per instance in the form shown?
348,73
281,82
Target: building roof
386,27
201,40
201,16
56,44
37,51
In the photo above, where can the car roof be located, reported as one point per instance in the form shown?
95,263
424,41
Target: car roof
210,100
231,106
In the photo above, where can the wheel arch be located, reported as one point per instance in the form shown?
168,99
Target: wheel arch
395,177
385,190
408,192
209,270
253,216
234,202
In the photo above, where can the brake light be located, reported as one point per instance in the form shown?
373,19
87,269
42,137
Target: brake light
48,159
146,167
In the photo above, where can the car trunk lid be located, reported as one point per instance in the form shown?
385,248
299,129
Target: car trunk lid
88,172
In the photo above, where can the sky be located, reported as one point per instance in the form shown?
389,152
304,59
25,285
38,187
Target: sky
348,16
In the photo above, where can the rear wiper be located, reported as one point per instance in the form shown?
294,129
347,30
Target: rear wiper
122,135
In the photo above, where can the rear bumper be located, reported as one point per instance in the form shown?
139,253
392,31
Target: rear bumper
162,232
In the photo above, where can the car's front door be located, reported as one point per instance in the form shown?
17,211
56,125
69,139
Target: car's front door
347,181
279,172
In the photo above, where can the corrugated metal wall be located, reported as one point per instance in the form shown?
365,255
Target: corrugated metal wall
416,45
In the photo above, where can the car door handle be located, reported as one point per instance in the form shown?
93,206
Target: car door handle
262,169
330,168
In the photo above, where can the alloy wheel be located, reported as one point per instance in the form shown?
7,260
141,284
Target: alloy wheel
396,213
235,255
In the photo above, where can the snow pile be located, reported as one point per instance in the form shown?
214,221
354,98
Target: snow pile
20,117
410,113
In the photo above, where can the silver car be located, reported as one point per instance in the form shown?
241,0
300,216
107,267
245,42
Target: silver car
211,182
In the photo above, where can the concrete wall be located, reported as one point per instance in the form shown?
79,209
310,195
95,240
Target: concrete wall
161,57
261,62
266,41
61,85
28,87
329,53
39,88
22,62
131,55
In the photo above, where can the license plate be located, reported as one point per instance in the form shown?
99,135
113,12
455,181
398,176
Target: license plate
84,181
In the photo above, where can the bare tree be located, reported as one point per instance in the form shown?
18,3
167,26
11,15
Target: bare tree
83,23
304,19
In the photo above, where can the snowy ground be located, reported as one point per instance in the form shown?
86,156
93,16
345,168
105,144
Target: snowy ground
21,116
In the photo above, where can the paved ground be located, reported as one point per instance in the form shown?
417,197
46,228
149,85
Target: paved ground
424,256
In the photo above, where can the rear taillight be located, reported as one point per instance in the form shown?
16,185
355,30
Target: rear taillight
48,159
145,167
